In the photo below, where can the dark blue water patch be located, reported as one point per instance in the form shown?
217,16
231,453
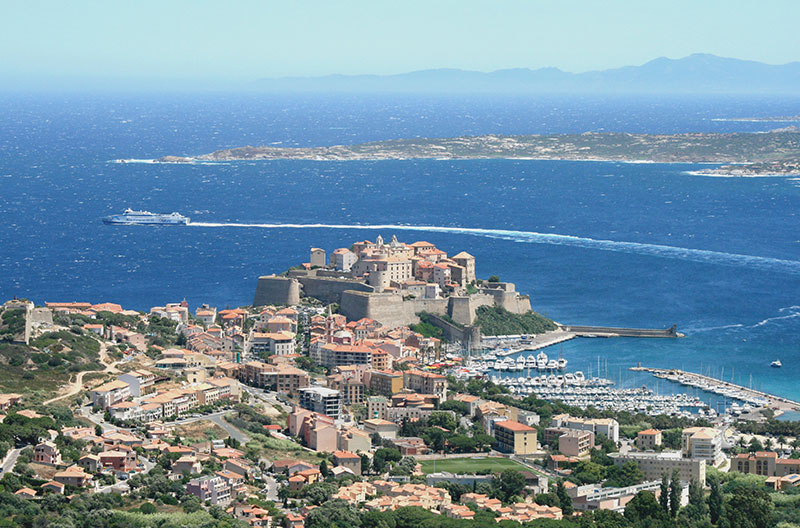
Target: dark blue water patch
738,315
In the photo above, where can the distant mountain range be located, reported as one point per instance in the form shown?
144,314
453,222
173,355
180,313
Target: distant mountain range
698,73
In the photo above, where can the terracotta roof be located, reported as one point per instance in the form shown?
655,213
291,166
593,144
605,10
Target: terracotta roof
515,426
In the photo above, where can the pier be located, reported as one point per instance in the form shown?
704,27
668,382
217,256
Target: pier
610,331
725,388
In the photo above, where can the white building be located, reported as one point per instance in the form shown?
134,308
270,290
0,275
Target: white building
704,443
272,343
343,259
321,400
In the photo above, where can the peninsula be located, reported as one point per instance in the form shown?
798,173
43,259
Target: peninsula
778,150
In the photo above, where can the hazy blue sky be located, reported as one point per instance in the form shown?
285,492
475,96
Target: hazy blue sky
249,39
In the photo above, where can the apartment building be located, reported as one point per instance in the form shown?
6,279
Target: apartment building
514,437
141,382
385,382
321,400
607,427
274,377
110,393
654,464
334,355
426,383
211,488
272,343
575,442
648,439
704,443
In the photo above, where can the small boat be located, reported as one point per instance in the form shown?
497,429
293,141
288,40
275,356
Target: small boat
562,363
776,364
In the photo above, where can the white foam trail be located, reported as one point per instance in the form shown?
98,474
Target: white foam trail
657,250
713,328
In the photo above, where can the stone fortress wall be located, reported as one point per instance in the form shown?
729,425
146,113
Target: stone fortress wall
358,300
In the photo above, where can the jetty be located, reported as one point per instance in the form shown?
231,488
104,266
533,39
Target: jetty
723,388
610,331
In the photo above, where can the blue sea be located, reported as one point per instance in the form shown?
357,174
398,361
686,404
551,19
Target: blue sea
645,244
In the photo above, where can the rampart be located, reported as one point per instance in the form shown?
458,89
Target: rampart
330,290
272,289
453,333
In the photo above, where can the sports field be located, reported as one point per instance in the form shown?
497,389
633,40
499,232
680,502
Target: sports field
470,465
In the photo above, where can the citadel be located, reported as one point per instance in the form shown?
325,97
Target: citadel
392,283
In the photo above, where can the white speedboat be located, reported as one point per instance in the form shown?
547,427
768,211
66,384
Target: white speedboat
552,364
541,361
562,363
776,364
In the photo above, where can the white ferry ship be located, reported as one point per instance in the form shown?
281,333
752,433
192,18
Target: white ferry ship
131,217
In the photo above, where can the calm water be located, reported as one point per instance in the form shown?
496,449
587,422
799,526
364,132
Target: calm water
729,279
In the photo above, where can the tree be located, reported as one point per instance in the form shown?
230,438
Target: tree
334,513
563,499
628,474
644,506
589,473
675,494
319,492
714,499
748,508
323,469
148,508
283,494
494,278
365,464
509,483
755,445
697,508
663,498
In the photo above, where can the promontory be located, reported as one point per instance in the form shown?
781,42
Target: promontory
776,152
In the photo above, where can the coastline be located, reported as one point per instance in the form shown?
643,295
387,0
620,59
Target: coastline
770,153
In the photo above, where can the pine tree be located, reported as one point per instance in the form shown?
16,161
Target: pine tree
564,500
715,500
697,508
323,469
663,498
675,494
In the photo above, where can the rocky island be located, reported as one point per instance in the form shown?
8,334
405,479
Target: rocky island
774,153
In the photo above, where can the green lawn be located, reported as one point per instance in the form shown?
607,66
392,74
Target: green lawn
470,465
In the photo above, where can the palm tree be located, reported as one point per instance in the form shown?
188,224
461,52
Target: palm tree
770,444
781,441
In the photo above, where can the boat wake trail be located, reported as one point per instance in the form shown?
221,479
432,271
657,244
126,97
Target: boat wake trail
533,237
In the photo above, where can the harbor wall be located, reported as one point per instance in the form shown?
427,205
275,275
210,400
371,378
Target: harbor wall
607,331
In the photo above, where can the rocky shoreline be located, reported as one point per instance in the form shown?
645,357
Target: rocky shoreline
775,152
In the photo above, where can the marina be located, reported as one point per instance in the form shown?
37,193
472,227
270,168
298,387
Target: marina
750,397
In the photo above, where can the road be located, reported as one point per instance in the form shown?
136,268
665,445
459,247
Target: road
268,397
77,386
271,488
11,460
217,419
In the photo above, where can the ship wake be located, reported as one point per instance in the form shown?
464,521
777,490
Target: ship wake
533,237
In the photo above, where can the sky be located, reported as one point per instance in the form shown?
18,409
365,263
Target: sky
240,41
